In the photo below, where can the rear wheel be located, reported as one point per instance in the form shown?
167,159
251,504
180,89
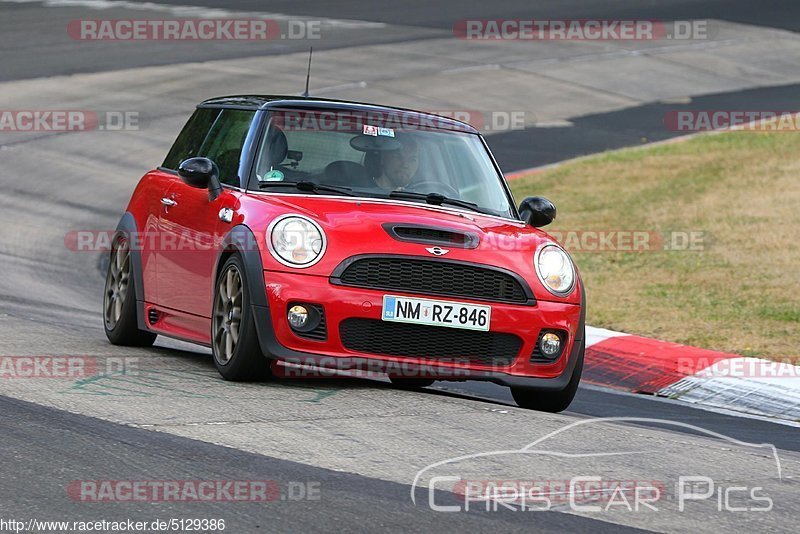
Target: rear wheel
410,383
234,341
551,401
119,300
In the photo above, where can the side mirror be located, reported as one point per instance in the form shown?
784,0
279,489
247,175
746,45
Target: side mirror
201,173
537,211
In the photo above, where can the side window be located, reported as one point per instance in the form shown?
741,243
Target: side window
191,137
224,143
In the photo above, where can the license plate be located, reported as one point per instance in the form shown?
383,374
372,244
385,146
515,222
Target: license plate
436,313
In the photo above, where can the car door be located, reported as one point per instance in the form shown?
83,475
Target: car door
187,145
190,228
148,202
192,225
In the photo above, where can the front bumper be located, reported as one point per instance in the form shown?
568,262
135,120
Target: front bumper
279,342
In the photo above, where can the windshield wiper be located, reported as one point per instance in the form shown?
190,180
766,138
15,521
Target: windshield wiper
437,199
310,186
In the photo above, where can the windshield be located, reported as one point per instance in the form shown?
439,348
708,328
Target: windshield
379,156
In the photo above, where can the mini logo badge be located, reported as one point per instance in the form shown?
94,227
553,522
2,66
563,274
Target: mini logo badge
437,251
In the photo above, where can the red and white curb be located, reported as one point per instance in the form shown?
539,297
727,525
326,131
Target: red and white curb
707,378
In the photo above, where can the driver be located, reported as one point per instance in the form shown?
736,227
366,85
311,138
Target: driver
398,167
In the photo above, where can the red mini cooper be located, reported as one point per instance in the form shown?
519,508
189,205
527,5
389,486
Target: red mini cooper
303,233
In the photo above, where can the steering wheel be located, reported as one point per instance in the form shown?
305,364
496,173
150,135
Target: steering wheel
433,186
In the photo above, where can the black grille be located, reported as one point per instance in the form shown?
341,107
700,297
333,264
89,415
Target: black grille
434,277
429,342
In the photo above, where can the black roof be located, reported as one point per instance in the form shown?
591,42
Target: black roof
256,102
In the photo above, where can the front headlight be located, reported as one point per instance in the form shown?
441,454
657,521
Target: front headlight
555,270
296,241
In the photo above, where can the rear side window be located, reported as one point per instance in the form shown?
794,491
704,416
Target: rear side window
191,138
224,143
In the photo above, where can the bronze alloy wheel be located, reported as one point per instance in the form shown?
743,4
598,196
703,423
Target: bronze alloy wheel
117,284
227,314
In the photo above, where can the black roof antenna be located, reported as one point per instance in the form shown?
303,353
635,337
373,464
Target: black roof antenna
308,74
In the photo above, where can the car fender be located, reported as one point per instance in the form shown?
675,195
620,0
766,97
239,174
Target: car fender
127,227
241,239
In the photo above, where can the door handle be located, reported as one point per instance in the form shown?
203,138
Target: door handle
168,202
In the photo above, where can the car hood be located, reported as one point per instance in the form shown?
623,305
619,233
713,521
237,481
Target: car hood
356,226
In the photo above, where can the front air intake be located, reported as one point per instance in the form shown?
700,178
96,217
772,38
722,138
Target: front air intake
432,235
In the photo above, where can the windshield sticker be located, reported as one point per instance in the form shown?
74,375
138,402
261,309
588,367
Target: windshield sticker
388,132
273,176
371,130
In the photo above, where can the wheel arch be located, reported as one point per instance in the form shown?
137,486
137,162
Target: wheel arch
127,228
242,241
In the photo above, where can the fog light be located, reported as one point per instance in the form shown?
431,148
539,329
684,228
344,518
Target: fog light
298,316
550,345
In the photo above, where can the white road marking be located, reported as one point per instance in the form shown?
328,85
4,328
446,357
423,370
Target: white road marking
596,335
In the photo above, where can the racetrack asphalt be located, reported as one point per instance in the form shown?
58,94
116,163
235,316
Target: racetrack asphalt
57,448
362,440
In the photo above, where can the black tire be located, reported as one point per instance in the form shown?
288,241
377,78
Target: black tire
119,300
410,383
552,401
243,360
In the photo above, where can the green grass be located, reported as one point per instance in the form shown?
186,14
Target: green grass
741,190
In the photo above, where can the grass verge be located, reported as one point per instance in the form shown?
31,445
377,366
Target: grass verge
733,199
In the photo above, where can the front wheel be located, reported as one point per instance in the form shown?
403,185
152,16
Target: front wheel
551,401
234,341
